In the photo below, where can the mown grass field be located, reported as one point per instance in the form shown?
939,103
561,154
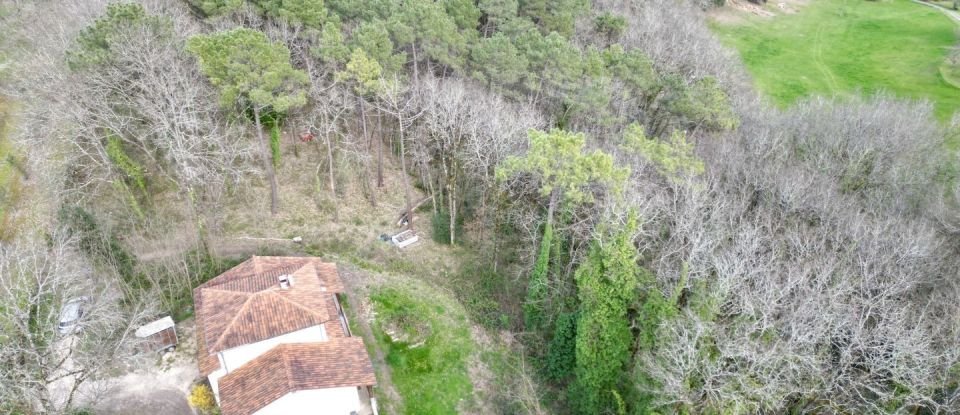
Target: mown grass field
839,47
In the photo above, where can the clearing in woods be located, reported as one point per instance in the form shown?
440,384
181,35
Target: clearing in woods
839,47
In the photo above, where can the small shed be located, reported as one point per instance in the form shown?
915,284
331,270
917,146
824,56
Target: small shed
158,336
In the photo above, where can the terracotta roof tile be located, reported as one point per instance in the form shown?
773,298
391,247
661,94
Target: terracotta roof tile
207,362
245,304
340,362
334,327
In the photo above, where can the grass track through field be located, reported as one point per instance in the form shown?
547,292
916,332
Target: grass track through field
818,58
952,14
841,47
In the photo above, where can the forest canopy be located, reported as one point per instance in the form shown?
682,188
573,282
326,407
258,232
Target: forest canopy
647,233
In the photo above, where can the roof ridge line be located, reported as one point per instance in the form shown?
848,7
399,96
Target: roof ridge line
256,264
214,279
227,291
233,320
316,274
291,301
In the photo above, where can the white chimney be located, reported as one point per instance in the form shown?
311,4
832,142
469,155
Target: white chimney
285,281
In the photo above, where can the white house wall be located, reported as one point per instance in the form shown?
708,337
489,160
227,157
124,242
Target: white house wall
332,401
233,359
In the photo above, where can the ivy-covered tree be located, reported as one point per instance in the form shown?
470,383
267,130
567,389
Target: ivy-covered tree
534,313
255,75
566,176
561,354
606,287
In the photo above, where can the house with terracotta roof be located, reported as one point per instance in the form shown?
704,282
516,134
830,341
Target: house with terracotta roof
273,339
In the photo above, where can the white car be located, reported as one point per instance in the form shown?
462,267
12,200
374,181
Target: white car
70,315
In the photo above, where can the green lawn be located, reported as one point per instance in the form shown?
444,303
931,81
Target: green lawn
838,47
426,340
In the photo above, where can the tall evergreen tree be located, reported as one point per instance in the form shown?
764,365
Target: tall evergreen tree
310,13
498,11
565,172
498,63
673,158
554,15
253,74
374,38
93,43
425,27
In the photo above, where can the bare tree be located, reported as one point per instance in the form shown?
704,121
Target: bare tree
464,132
398,100
43,369
815,279
325,120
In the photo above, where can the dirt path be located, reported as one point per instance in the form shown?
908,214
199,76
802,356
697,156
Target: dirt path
357,284
952,14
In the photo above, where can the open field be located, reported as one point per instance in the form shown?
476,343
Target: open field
839,47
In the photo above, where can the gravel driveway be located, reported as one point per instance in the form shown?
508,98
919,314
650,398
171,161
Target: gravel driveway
159,387
157,401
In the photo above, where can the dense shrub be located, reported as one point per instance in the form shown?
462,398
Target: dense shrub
201,398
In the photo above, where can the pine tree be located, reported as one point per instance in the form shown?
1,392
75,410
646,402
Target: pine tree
497,62
93,43
565,172
255,74
310,13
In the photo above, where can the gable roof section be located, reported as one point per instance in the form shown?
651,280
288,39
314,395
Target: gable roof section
339,362
245,304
